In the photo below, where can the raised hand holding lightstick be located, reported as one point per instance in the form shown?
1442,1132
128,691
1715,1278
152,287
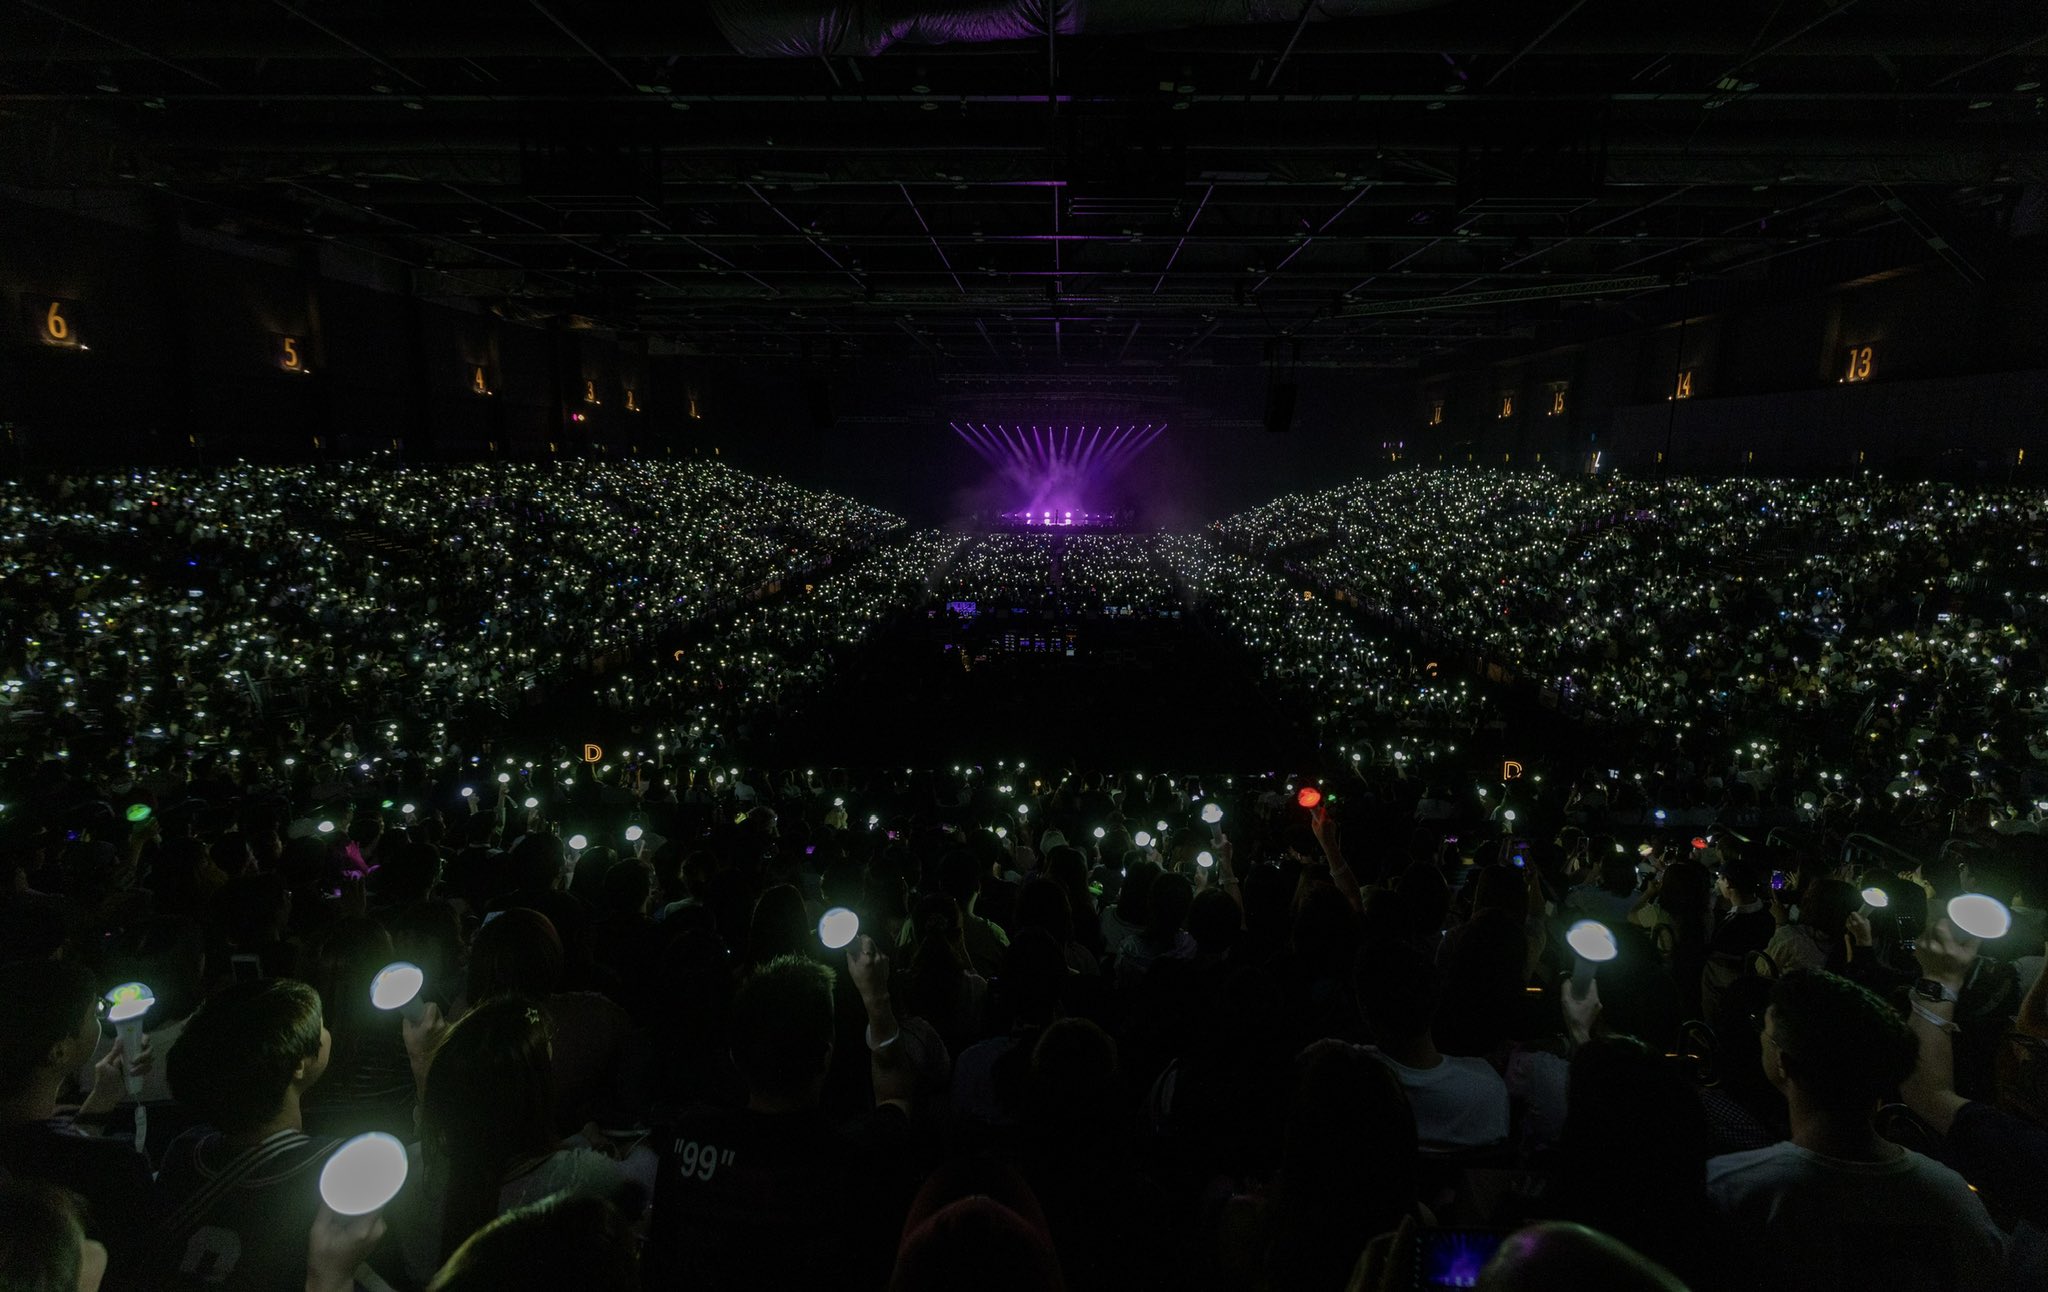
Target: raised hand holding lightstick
127,1004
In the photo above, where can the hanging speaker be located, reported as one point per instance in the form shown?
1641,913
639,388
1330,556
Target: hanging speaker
1279,404
818,401
1281,356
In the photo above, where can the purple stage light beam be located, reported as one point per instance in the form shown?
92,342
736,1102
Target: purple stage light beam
1059,468
967,436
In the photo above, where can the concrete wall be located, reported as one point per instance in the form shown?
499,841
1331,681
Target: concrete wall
179,353
1957,383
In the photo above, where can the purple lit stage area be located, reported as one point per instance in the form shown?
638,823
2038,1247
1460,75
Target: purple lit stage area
1064,519
1061,477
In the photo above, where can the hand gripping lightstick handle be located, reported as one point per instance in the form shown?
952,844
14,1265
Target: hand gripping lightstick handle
129,1030
128,1003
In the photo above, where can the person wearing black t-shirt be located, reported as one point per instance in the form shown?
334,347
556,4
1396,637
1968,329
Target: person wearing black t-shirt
241,1190
776,1194
49,1026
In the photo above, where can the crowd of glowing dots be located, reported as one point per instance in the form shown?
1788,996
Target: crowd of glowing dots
534,569
1492,582
1552,576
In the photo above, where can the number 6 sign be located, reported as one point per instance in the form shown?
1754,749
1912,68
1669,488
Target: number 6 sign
55,322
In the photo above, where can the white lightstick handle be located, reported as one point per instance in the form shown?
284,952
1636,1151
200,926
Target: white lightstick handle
129,1030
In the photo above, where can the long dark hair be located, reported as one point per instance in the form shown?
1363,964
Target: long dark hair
1654,1201
348,957
778,927
1348,1109
931,987
488,1104
1134,898
560,1241
517,954
1687,895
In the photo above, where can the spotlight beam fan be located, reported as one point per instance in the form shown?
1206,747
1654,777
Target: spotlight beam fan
1059,469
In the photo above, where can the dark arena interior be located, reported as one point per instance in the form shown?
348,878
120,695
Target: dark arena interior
1025,645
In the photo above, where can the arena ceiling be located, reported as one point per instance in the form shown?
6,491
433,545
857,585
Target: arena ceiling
1151,185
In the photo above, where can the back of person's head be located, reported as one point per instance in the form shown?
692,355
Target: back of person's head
1685,896
1214,921
43,1247
842,883
43,1004
1618,1087
1073,1079
1067,866
1397,992
1482,985
1348,1108
244,1050
1167,910
782,1027
346,959
960,872
1747,879
1503,889
488,1100
407,871
517,953
1134,897
1043,904
1554,1255
568,1240
1998,872
627,887
976,1223
429,934
593,867
778,926
1638,996
1617,874
1034,977
534,863
1825,908
936,921
1325,931
1838,1043
251,907
1425,898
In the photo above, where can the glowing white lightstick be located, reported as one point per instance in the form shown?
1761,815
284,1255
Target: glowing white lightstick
1592,943
397,986
1980,916
837,928
363,1175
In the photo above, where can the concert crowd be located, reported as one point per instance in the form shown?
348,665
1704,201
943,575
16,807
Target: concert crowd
407,890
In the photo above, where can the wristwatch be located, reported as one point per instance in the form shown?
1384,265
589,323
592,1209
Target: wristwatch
1928,989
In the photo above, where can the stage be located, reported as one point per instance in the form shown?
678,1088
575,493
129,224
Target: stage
1064,519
